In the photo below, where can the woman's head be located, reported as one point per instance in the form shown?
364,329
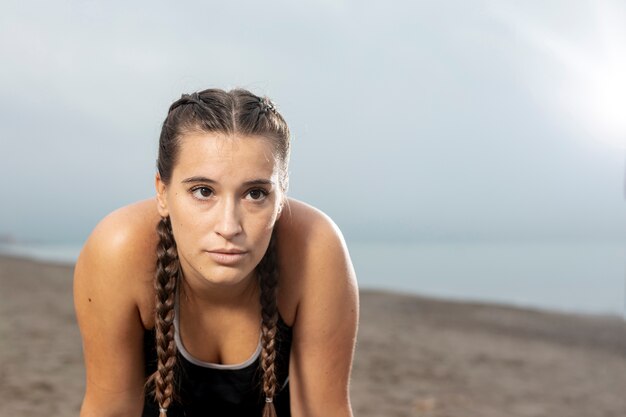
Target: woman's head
221,182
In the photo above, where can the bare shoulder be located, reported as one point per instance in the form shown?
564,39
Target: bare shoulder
299,217
118,258
313,255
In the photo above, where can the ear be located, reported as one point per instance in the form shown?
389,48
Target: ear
161,190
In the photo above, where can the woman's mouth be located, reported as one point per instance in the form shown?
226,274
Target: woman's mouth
227,257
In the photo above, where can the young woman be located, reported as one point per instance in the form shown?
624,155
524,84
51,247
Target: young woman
222,296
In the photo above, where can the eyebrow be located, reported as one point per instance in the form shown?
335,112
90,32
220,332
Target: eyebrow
256,181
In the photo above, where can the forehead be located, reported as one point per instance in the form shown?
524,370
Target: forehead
218,156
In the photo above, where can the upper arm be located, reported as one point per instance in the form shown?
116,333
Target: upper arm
105,298
325,327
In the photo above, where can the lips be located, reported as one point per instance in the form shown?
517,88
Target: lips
232,250
227,256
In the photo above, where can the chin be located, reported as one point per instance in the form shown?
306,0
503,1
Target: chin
221,275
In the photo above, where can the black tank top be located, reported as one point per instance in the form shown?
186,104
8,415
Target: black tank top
205,390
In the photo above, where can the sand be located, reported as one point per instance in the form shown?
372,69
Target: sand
415,356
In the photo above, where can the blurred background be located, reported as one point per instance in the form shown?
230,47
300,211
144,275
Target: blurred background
468,150
472,153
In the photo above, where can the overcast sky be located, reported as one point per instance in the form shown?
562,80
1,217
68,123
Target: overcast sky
412,120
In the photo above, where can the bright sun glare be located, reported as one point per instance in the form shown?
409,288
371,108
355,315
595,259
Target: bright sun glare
592,90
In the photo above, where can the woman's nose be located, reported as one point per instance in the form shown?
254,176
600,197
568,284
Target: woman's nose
229,221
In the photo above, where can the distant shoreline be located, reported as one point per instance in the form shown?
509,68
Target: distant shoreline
35,260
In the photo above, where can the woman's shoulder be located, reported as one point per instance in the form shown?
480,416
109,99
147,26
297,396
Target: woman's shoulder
313,255
127,235
304,231
119,254
129,220
301,220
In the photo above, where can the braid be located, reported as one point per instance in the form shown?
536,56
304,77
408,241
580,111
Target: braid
166,278
268,276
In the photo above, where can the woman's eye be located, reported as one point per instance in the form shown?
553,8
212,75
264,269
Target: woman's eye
202,193
257,194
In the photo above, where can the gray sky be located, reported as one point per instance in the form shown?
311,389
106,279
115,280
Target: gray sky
412,120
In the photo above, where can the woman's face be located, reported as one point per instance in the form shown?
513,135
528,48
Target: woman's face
223,200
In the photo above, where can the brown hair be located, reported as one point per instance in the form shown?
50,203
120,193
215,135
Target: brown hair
233,112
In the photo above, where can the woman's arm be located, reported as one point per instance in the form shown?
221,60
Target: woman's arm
106,284
325,326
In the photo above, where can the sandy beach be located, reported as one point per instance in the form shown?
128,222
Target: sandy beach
415,356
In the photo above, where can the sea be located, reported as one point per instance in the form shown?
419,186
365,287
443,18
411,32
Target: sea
572,277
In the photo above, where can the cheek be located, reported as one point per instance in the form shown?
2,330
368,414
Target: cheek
262,225
185,224
261,246
260,232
